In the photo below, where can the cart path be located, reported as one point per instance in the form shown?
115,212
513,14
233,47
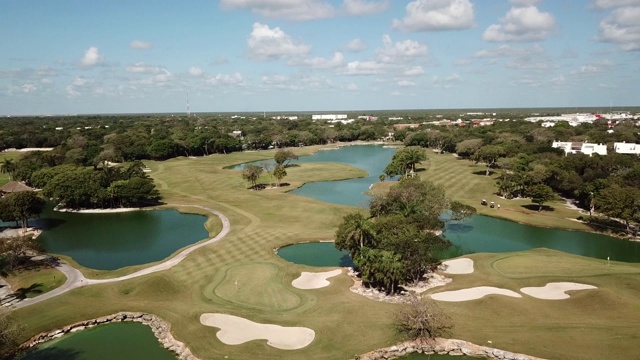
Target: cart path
76,279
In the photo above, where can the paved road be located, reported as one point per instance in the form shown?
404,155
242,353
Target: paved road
76,279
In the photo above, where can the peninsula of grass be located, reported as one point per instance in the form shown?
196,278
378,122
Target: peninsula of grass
594,324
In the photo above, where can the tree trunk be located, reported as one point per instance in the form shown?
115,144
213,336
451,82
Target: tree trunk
539,207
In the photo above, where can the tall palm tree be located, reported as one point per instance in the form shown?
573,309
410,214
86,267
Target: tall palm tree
8,166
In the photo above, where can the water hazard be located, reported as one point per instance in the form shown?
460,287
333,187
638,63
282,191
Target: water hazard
109,241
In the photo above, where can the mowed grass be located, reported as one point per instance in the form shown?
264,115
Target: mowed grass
31,283
345,323
465,181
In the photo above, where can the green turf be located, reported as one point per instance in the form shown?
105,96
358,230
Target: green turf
31,283
596,324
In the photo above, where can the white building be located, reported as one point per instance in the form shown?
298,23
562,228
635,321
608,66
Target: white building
573,119
626,148
329,117
580,148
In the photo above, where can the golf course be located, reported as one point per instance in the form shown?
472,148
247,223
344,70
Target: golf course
241,276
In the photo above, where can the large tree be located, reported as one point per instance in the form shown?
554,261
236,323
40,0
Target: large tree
251,173
489,155
619,202
540,194
284,157
22,206
404,161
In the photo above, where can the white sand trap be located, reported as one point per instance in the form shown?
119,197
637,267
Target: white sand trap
473,293
555,290
309,280
236,330
458,266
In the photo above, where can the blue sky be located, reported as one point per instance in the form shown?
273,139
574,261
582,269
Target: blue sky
119,56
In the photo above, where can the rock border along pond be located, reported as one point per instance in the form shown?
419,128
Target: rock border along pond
161,329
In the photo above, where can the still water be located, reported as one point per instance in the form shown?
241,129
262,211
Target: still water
122,341
109,241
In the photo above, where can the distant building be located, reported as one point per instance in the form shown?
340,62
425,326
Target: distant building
572,119
405,126
626,148
482,122
368,117
580,148
329,117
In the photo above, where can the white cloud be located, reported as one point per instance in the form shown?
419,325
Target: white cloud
142,68
140,45
622,27
427,15
406,83
300,10
357,45
350,87
363,7
77,85
392,53
414,71
28,88
321,63
521,24
92,57
523,3
607,4
363,68
509,51
227,79
453,78
396,93
595,68
271,44
195,71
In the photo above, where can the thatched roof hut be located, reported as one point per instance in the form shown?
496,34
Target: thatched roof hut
14,186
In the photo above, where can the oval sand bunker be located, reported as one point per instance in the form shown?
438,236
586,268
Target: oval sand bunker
458,266
235,330
309,280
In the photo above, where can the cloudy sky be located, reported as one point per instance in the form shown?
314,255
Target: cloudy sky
119,56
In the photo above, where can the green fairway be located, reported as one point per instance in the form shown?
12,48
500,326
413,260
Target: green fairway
241,275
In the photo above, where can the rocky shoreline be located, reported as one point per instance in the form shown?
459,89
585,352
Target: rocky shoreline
442,346
161,329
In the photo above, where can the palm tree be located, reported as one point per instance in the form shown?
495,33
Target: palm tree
355,232
8,166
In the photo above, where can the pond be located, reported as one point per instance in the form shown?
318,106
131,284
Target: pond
122,341
109,241
370,158
478,234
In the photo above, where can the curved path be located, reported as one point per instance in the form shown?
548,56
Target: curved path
76,279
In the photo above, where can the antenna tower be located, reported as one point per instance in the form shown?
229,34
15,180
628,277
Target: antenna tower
188,110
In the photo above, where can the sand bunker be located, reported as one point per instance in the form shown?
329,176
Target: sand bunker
555,291
236,330
473,293
309,280
458,266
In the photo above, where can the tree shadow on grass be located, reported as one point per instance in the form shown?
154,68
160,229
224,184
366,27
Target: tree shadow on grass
483,172
536,207
23,293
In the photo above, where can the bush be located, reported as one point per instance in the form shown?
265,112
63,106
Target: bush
422,319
